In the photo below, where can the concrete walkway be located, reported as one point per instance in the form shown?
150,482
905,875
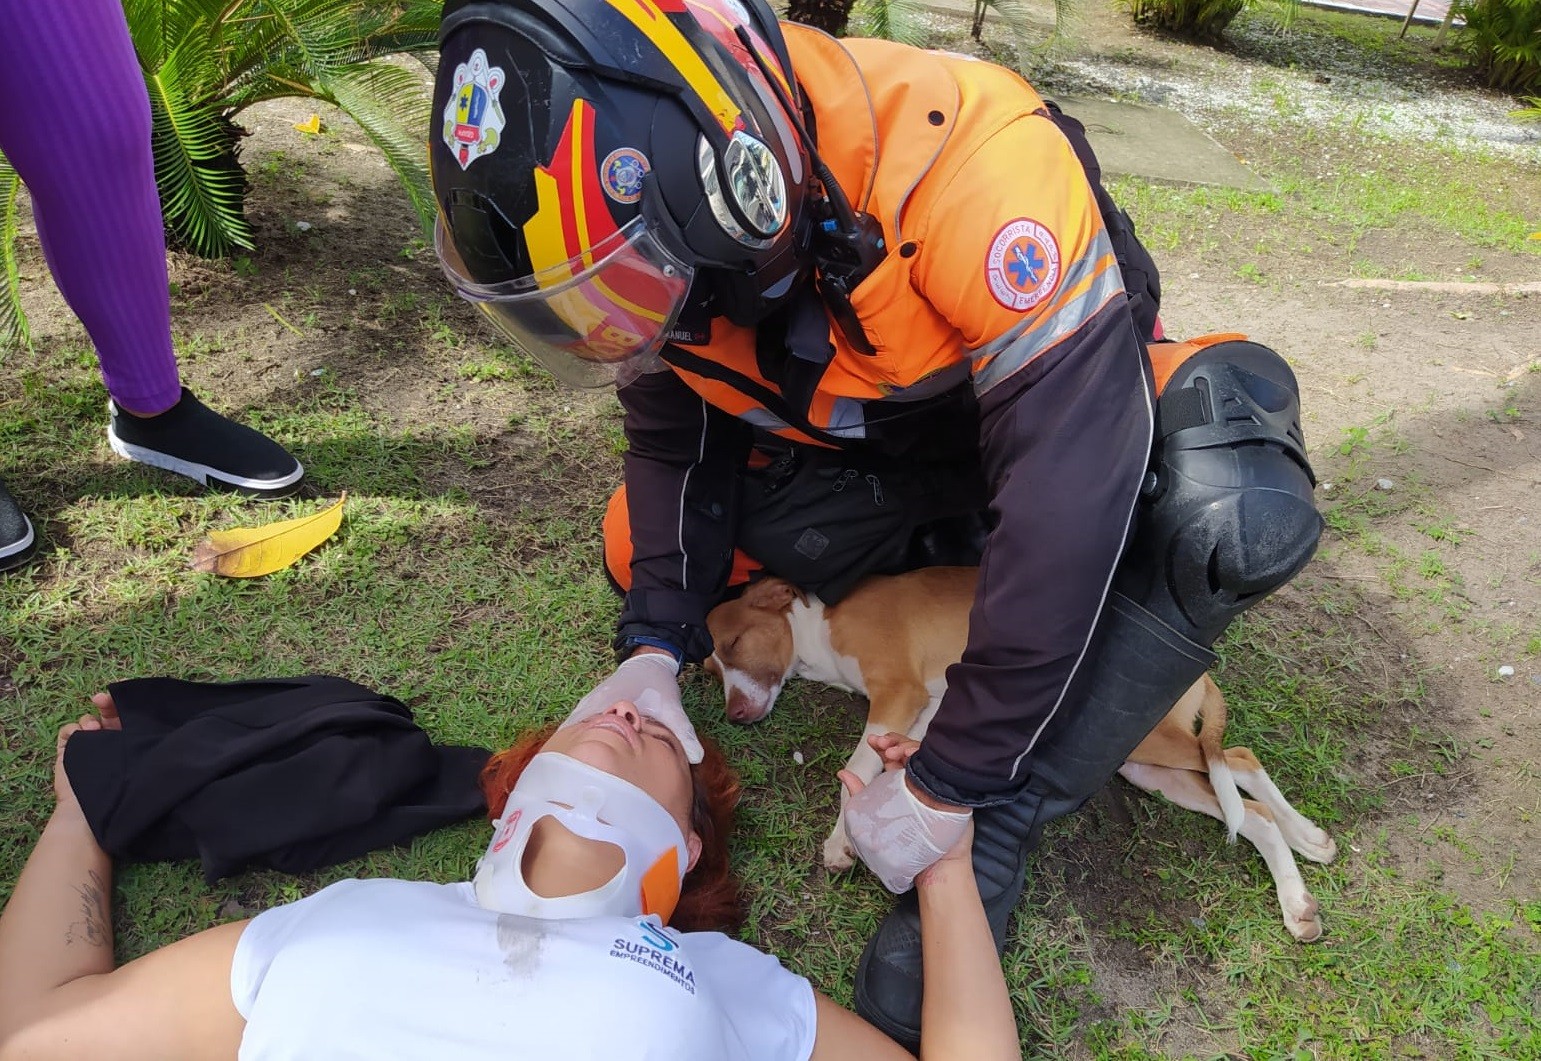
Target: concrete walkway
1431,12
1158,144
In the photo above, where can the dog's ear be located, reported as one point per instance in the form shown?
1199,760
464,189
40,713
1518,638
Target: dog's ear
772,593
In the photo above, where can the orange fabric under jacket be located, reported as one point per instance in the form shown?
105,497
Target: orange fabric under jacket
1000,272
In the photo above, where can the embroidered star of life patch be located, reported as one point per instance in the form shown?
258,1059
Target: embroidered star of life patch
1022,266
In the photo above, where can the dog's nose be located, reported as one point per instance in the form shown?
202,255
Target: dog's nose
740,709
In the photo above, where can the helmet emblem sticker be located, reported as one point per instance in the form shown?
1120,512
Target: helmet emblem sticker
1022,266
473,119
621,174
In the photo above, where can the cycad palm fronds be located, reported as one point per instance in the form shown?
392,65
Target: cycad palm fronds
1503,38
204,61
201,183
1018,23
375,95
13,323
1010,12
207,60
889,20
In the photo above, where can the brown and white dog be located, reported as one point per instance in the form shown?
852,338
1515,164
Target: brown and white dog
893,638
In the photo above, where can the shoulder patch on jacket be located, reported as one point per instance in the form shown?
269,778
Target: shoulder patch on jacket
1022,265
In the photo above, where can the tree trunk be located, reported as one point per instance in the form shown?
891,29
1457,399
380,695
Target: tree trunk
827,15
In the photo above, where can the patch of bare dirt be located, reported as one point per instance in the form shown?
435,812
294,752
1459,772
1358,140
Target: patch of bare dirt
1451,454
1434,395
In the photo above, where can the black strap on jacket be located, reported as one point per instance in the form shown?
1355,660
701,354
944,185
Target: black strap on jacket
1142,281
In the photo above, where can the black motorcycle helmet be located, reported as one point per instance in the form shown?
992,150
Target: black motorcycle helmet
599,163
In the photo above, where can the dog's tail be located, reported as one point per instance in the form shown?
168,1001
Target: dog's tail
1212,743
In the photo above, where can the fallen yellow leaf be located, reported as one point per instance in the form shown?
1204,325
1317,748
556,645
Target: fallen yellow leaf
311,125
1534,235
246,552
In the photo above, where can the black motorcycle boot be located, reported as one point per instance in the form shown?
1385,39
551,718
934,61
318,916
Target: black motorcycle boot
1225,517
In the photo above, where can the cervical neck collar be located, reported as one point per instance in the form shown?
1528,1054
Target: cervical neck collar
596,806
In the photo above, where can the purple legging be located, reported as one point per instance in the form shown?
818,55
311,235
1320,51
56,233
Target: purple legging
75,122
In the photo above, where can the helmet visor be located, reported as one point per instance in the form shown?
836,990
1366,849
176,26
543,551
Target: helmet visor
595,320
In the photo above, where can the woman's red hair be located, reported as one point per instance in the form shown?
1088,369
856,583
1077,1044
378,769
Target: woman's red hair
709,896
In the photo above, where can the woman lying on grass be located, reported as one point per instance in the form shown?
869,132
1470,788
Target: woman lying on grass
556,950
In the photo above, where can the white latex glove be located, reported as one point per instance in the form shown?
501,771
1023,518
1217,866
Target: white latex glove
896,834
649,680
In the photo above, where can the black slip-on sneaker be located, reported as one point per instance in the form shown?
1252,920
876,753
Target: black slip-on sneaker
193,440
18,541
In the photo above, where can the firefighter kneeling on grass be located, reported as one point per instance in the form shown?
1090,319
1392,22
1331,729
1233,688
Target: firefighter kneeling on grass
868,308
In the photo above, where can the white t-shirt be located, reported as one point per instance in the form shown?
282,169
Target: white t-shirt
403,969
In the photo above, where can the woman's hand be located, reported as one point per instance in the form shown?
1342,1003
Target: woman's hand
106,718
895,750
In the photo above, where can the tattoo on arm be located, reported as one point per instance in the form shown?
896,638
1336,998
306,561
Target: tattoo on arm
93,929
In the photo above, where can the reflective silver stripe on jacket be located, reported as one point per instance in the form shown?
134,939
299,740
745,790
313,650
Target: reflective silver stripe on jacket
1003,356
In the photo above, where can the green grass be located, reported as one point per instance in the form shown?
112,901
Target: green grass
1314,214
1386,183
465,579
1405,970
487,622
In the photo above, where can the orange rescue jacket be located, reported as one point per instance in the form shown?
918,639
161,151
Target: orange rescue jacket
932,144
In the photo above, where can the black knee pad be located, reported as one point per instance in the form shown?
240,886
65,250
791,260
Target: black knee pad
1227,514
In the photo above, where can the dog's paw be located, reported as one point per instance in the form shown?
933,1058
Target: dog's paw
1316,845
1302,917
838,856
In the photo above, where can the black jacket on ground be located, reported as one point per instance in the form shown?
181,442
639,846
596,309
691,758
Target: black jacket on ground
288,773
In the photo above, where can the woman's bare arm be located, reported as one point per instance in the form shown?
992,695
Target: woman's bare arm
58,925
59,995
966,1010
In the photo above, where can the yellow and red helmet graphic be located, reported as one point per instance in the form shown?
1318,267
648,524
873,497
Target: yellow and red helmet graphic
651,19
619,309
720,19
594,156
